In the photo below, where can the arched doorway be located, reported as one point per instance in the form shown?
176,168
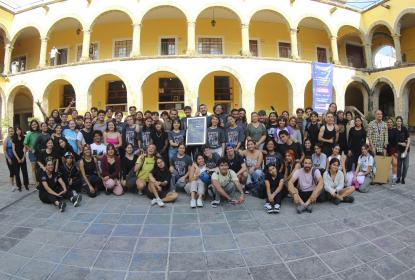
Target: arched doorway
171,39
66,35
384,99
314,40
111,36
350,46
308,95
2,49
58,95
108,91
273,90
26,50
356,95
21,107
220,87
264,43
408,102
406,27
383,48
218,32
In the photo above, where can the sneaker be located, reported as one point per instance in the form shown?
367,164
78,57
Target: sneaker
193,203
309,208
398,181
160,202
26,187
62,206
140,193
277,208
270,211
215,203
15,188
199,202
403,181
268,206
393,181
77,200
300,208
336,201
348,199
153,201
19,189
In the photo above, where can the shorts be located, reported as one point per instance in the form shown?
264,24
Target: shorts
162,194
32,157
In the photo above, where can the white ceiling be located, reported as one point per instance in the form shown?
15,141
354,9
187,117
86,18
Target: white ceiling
312,23
113,16
166,12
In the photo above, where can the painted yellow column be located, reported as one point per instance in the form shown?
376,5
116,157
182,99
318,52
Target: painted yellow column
334,50
368,55
294,44
397,43
7,58
86,42
191,38
245,39
136,48
43,50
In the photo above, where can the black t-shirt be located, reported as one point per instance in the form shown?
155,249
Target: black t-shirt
44,157
88,136
356,139
392,138
159,139
274,182
212,162
402,136
19,146
67,173
127,165
52,181
313,131
235,164
162,176
296,147
273,159
271,128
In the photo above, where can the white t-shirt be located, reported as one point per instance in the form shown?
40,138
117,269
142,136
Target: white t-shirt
98,150
53,52
365,162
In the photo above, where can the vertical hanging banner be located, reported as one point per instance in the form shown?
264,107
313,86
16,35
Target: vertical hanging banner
322,75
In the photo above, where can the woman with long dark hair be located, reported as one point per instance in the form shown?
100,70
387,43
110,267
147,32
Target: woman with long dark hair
356,138
110,166
90,174
19,160
404,142
8,153
29,143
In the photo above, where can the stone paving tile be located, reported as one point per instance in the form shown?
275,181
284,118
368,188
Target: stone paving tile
367,252
80,257
96,274
323,244
187,244
188,275
186,261
362,272
274,272
149,262
219,242
388,267
309,268
340,260
224,260
230,274
407,256
260,256
294,250
152,245
37,270
113,260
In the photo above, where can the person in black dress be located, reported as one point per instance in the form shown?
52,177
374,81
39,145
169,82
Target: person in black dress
160,138
356,139
128,176
328,134
88,167
392,148
19,160
404,142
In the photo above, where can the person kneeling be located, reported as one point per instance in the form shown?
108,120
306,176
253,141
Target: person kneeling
334,184
53,189
159,184
70,175
224,183
310,185
274,186
198,178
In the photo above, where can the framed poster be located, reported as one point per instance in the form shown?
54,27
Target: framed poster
196,131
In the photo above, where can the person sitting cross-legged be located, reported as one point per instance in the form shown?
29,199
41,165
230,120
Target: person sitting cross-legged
159,184
309,186
334,183
224,184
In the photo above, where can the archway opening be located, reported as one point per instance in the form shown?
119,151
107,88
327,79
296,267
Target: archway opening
383,49
273,90
164,32
163,91
22,107
108,91
218,32
26,50
407,30
408,100
220,87
385,99
2,49
308,95
314,40
111,36
58,95
66,36
269,35
354,96
351,48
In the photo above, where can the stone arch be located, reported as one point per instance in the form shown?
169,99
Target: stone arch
107,10
359,87
56,21
55,85
28,58
18,31
320,19
378,93
406,99
5,31
19,115
161,4
351,46
376,24
270,8
224,5
396,26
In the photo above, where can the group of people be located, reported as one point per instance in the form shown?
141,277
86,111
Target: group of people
307,157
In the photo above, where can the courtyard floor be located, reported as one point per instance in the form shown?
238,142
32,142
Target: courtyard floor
125,238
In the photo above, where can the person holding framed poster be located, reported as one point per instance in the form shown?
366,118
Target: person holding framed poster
196,131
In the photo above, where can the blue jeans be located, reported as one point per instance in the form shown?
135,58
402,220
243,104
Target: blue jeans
172,153
255,180
403,165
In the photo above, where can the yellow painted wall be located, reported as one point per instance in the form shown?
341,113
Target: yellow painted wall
29,47
150,90
2,51
206,90
309,39
408,43
107,33
268,34
54,94
65,39
342,47
6,18
272,90
411,119
228,28
98,91
153,30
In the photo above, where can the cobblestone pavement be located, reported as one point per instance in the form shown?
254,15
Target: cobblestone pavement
124,238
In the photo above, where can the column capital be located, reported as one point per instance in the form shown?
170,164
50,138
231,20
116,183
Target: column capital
333,37
191,23
44,39
136,25
245,25
292,30
86,31
396,36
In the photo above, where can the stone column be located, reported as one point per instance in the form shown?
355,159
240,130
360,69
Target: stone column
191,38
368,55
294,43
245,40
86,42
7,58
136,48
397,43
334,50
43,51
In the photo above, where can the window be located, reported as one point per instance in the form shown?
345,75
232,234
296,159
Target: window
322,55
210,46
284,50
122,48
253,47
355,56
223,90
18,64
62,56
117,96
171,94
93,52
168,46
68,96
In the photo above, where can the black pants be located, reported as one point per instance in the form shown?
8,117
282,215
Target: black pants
11,168
306,195
95,182
48,198
278,198
75,186
23,167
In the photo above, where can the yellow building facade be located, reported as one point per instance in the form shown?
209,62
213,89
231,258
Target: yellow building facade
158,55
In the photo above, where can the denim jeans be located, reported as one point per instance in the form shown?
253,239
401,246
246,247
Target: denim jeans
403,165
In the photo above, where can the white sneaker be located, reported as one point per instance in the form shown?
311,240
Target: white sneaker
199,202
160,202
267,206
14,188
193,203
153,201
